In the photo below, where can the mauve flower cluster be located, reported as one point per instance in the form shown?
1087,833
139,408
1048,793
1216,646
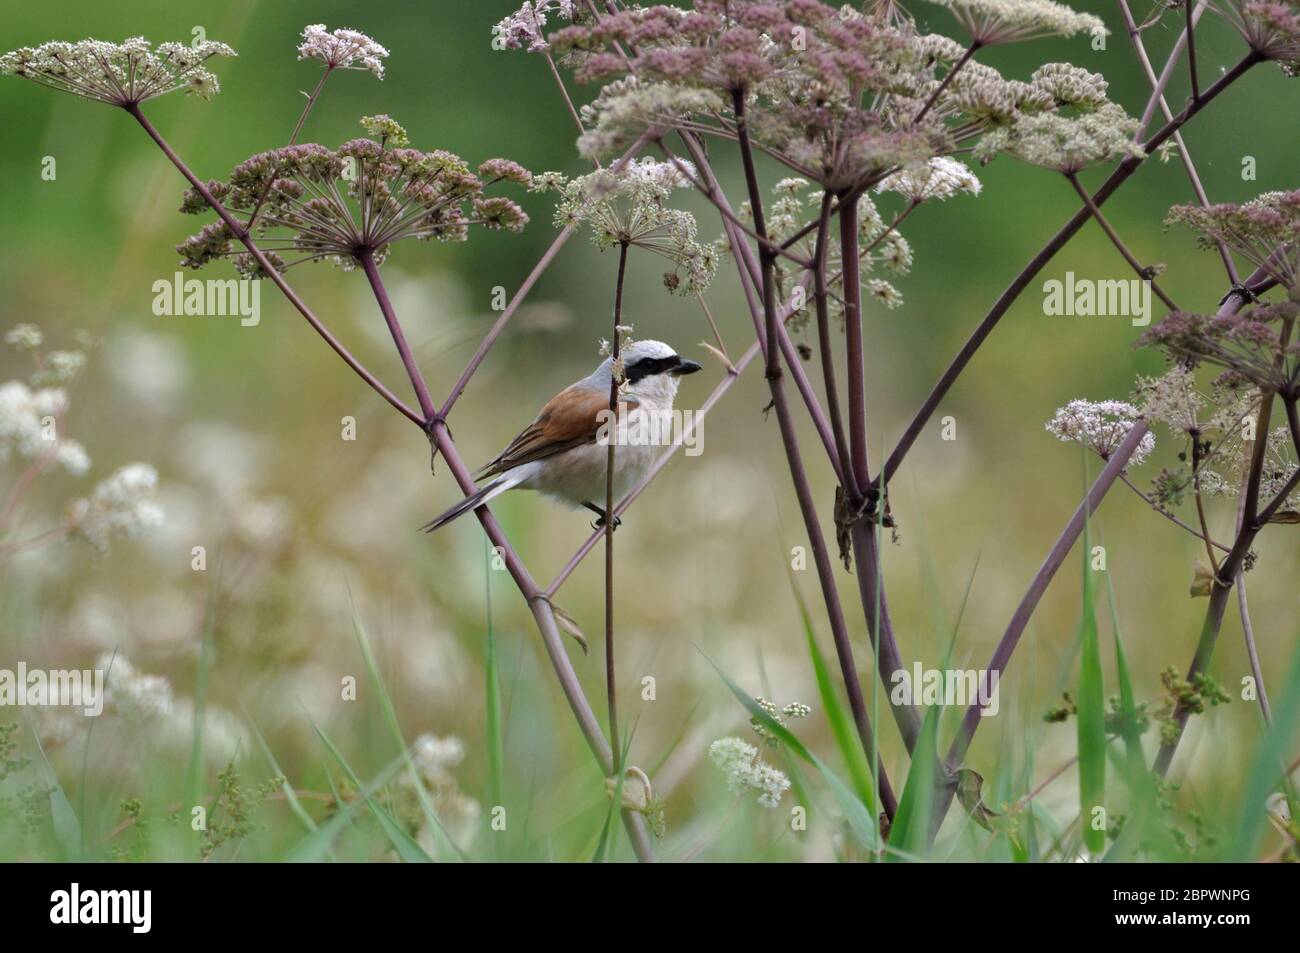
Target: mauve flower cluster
841,97
1265,231
1271,29
358,199
522,30
120,74
1253,347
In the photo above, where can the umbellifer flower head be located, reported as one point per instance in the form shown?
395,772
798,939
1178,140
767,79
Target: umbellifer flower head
356,200
1249,346
342,49
1101,426
522,30
120,74
1067,144
120,506
939,178
629,205
1006,21
1265,231
1272,30
746,771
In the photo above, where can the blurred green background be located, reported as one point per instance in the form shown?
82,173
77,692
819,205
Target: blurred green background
244,427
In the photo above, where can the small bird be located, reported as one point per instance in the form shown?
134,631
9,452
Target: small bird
558,452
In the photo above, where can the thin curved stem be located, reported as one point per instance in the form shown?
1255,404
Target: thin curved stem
1036,264
241,233
799,477
1142,271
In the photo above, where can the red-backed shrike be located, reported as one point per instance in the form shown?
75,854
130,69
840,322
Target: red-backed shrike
564,451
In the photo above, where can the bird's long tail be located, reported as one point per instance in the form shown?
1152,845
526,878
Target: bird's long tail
478,498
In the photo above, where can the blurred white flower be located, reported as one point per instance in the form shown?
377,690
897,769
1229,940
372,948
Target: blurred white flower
222,457
28,427
131,692
120,506
24,337
745,770
151,369
434,757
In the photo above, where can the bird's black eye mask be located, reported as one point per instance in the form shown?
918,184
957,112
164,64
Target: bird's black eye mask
649,366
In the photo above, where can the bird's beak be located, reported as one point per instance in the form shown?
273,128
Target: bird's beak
685,367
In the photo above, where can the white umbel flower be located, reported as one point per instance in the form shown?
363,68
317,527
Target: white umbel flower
28,428
132,692
939,178
121,506
1100,426
120,74
1006,21
434,757
342,49
746,771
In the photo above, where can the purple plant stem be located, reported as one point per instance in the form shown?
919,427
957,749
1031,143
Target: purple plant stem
269,269
857,392
1166,74
399,338
750,276
1251,521
803,492
1043,578
947,80
543,612
1248,629
1141,270
615,380
538,603
821,299
880,624
1135,35
866,545
1254,521
499,325
1028,603
1190,33
1039,261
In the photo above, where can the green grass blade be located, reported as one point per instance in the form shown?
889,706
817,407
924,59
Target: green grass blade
290,796
492,676
67,829
841,722
909,834
403,843
860,820
1091,720
390,718
1135,763
1267,773
317,844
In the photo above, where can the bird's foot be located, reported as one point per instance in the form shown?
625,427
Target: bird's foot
600,517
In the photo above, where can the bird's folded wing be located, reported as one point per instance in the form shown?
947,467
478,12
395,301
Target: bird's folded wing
572,418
